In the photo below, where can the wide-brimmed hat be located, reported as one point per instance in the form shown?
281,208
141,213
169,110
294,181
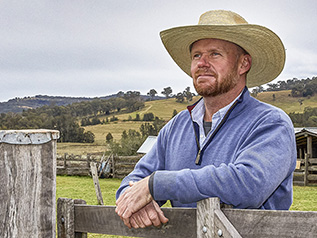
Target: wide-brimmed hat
264,46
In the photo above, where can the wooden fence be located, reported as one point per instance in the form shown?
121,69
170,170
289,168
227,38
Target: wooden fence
76,219
120,166
306,171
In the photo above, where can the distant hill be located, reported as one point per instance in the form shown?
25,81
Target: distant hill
286,102
17,105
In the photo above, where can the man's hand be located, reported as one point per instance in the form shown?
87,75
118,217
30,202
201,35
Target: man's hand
133,199
149,215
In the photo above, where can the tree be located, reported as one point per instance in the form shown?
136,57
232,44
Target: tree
272,86
180,97
147,129
254,92
120,94
109,137
174,113
167,92
137,117
89,137
152,93
148,117
187,94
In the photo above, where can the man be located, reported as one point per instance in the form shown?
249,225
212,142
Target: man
228,144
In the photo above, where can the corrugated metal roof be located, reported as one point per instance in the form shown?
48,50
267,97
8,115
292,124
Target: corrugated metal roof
147,145
310,130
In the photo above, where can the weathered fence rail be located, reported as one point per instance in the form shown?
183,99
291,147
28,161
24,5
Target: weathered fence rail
69,164
306,171
208,220
121,166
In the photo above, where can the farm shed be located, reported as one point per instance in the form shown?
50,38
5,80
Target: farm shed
306,143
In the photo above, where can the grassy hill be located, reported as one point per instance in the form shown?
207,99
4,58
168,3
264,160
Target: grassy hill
284,101
160,108
164,109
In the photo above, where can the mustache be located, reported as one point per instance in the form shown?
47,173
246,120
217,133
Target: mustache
205,71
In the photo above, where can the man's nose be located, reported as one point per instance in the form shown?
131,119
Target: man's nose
203,61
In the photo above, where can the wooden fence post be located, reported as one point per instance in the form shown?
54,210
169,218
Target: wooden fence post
306,169
65,163
211,221
205,217
113,162
95,177
65,218
28,183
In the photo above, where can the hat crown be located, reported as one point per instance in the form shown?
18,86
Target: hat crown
221,17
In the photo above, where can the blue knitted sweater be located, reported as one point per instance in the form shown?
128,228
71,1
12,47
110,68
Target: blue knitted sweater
248,161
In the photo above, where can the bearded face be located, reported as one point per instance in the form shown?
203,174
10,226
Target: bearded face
214,66
218,86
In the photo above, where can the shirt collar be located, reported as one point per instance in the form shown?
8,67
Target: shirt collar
198,111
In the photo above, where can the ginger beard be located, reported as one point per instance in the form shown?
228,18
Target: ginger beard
215,86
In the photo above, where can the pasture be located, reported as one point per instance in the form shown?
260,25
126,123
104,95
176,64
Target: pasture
83,188
284,101
160,108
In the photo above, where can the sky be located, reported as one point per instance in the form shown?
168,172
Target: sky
92,48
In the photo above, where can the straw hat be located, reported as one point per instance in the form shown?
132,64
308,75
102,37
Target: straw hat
264,46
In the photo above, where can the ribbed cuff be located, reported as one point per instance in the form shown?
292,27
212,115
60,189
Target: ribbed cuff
151,181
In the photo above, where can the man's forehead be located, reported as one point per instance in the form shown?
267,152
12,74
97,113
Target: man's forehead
212,43
215,43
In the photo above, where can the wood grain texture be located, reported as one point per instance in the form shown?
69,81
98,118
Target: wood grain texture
104,220
27,190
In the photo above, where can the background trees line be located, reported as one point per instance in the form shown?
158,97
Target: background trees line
306,119
299,87
66,118
168,93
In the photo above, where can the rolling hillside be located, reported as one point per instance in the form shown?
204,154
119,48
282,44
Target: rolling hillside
287,103
164,109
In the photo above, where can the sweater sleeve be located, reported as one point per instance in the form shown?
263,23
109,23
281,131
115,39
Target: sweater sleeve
266,158
154,160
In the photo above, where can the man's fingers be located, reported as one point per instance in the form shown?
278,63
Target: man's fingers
160,213
144,216
153,215
127,222
138,220
120,205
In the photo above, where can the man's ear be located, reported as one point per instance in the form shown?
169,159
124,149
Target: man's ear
245,66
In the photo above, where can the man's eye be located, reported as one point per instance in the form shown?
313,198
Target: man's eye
196,56
214,54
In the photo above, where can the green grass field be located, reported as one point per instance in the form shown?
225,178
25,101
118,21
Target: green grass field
83,188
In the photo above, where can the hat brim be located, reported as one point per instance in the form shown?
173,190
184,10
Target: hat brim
264,46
